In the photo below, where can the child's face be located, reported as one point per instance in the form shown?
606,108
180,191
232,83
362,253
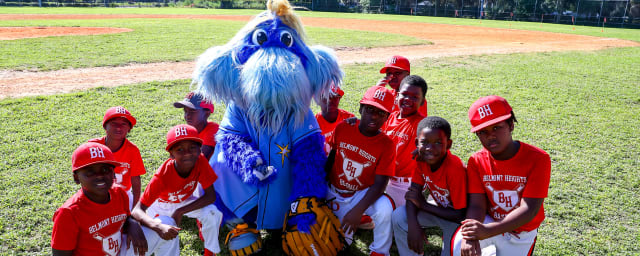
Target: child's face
95,179
432,145
409,99
496,138
371,119
117,128
395,76
330,106
196,117
185,153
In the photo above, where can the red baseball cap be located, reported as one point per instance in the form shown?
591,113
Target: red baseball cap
379,97
92,153
194,101
118,111
398,62
336,91
487,111
182,132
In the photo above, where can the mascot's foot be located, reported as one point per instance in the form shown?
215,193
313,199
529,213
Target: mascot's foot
242,240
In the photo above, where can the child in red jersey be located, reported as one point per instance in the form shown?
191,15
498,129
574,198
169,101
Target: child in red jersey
508,181
360,165
330,115
93,220
117,122
196,113
444,175
401,128
170,191
396,69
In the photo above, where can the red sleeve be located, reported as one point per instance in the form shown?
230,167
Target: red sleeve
387,164
474,183
65,230
457,182
331,140
417,177
207,175
153,190
137,166
208,135
538,180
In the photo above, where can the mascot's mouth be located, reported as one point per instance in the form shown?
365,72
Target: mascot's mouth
275,88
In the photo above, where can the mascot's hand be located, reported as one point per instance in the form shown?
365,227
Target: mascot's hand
262,171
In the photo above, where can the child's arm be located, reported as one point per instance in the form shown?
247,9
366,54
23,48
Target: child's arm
351,220
474,229
417,198
207,151
166,232
136,184
136,236
414,234
208,198
476,210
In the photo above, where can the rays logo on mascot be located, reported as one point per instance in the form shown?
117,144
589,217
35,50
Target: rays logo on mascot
269,156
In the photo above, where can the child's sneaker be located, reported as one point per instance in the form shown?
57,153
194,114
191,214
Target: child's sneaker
366,222
376,254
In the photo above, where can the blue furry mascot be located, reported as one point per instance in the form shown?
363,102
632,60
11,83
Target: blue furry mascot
269,150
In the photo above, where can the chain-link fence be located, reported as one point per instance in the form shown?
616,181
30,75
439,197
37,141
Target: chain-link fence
618,13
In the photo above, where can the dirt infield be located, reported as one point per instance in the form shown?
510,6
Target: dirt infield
14,33
448,40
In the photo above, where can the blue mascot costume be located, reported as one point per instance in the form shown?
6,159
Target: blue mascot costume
269,150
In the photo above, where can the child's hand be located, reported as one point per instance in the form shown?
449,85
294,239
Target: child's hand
383,81
470,248
351,120
136,236
351,221
167,232
414,239
474,230
416,197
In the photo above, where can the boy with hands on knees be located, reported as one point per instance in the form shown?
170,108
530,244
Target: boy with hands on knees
94,220
359,167
444,175
169,195
508,181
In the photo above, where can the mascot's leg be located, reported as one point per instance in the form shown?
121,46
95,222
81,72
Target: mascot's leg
309,178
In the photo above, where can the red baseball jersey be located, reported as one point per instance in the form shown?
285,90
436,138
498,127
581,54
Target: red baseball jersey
506,182
447,185
208,135
328,128
403,133
168,187
129,156
359,158
90,228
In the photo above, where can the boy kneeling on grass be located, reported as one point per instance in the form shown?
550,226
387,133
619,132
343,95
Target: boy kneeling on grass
445,176
93,221
360,164
170,192
508,181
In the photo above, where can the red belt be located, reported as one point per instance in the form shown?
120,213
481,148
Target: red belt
401,179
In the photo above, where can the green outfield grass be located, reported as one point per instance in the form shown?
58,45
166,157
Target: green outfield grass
152,40
629,34
581,107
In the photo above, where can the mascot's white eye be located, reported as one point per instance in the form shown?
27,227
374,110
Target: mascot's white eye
259,37
286,38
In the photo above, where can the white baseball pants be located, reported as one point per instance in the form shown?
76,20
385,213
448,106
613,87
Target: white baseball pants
505,244
155,244
397,188
401,228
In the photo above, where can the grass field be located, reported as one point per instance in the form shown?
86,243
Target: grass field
581,107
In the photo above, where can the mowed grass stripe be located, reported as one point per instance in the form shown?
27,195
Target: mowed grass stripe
581,107
153,40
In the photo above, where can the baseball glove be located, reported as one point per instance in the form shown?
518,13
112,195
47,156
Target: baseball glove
325,237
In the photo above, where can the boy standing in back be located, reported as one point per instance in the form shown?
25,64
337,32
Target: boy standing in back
196,112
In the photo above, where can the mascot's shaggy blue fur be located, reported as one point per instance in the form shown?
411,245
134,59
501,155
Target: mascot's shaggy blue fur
269,147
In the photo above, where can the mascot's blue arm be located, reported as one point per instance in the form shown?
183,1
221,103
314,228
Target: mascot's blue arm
242,156
309,178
